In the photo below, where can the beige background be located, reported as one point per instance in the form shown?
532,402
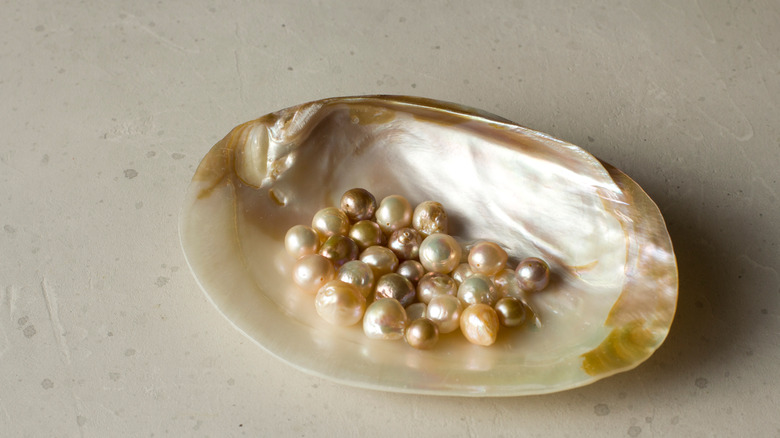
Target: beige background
107,108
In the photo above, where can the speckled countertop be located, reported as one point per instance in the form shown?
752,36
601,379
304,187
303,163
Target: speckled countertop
107,109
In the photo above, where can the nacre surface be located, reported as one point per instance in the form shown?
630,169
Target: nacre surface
609,304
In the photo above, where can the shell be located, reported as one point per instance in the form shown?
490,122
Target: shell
608,307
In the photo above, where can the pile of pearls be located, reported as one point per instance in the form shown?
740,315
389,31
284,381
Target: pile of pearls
395,268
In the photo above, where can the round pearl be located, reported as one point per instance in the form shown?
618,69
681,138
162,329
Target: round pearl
366,233
412,270
533,274
381,260
405,243
330,221
385,319
479,324
358,204
339,249
478,289
395,286
487,258
462,272
301,240
394,212
444,311
422,334
312,271
507,284
340,303
440,253
358,274
416,311
434,283
511,312
429,218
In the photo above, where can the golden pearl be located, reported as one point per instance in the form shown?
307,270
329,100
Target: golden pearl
507,284
312,271
395,286
434,283
444,311
358,204
478,289
479,324
394,212
366,233
412,270
381,260
340,303
422,334
301,240
385,319
511,312
416,310
487,258
330,221
461,272
339,249
405,243
429,218
359,274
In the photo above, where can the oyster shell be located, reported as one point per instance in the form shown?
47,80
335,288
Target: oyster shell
608,307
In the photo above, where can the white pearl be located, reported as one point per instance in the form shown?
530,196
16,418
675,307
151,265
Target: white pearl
487,258
395,286
301,240
511,312
429,218
444,311
381,260
366,233
340,303
330,221
359,274
462,272
440,253
385,319
412,270
533,274
312,271
434,283
394,212
422,334
415,311
479,324
478,289
507,284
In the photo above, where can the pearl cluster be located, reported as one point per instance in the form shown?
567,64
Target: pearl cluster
395,268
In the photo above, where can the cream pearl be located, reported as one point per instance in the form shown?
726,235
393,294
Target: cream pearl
394,212
461,272
359,204
422,334
381,260
511,312
339,249
395,286
412,270
366,233
340,303
479,324
330,221
385,319
487,258
435,283
429,218
301,240
440,253
358,274
507,284
416,311
405,243
478,289
312,271
533,274
444,311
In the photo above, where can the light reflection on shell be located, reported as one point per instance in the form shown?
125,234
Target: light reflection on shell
608,307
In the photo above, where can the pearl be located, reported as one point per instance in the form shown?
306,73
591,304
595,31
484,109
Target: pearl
478,289
301,240
405,243
434,283
339,249
415,311
462,272
340,303
330,221
385,319
507,284
412,270
487,258
358,274
381,260
312,271
440,253
479,324
358,204
422,334
395,286
394,212
533,274
429,218
366,233
444,311
511,312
